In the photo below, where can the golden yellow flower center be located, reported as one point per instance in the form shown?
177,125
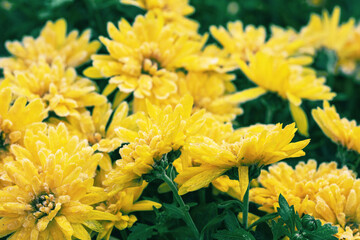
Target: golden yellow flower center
43,204
94,138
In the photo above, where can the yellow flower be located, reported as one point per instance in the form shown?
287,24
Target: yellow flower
327,193
174,12
289,79
53,190
143,57
215,93
211,91
257,145
16,118
99,128
339,130
160,131
238,41
60,88
326,32
52,43
122,205
350,53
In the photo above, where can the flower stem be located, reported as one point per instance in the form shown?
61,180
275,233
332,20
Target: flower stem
184,208
246,207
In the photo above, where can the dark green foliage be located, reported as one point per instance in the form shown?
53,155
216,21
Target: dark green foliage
305,228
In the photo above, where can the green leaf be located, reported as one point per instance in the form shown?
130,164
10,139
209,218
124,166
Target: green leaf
265,218
287,213
141,232
218,219
279,230
173,211
321,232
233,235
231,221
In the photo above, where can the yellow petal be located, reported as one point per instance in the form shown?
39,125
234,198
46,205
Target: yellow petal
243,180
300,119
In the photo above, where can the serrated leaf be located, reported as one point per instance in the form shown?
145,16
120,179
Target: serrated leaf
233,235
279,230
265,218
322,232
141,232
287,213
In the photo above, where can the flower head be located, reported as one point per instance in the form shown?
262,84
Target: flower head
160,132
12,121
339,130
174,12
53,190
257,145
326,192
143,57
289,79
60,88
52,43
99,128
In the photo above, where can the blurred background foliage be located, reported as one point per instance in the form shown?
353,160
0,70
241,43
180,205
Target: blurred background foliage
19,18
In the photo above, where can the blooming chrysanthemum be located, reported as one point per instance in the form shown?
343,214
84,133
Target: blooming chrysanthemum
160,131
339,130
53,190
242,43
143,57
174,12
215,93
350,53
327,193
238,41
326,32
16,117
289,79
60,88
257,145
99,127
52,43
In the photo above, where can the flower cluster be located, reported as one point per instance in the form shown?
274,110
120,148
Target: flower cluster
76,158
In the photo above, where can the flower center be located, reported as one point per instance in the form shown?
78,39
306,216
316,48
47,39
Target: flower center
43,204
94,138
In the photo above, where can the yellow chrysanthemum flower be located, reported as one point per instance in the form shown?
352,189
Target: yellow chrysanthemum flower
350,53
143,57
257,145
238,41
99,127
60,88
289,79
174,12
16,118
242,43
339,130
160,131
327,193
325,31
53,190
211,91
122,205
215,93
52,43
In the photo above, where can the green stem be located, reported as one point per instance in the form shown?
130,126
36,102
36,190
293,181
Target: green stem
202,196
184,208
246,208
